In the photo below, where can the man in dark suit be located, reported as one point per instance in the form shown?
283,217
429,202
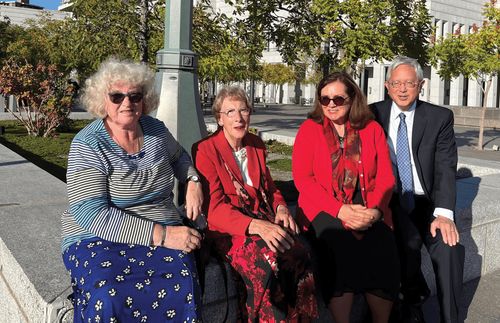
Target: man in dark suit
424,157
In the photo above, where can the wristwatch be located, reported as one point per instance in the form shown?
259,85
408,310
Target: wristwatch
193,178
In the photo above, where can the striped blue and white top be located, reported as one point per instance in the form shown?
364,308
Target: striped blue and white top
117,196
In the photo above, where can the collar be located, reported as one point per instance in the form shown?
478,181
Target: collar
395,111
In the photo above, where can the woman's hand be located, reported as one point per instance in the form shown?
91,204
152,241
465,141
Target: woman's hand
374,214
276,238
194,200
356,216
182,238
285,219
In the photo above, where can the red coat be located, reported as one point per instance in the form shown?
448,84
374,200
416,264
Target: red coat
312,172
221,202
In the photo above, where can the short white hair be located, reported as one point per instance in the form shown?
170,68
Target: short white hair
404,60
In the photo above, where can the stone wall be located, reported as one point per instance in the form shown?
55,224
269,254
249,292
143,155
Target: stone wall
470,116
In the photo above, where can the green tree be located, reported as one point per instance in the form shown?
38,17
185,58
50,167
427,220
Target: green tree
277,74
227,51
343,34
221,56
8,34
97,30
475,55
361,30
411,28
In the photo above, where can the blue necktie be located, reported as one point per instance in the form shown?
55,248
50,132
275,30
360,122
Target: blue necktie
404,166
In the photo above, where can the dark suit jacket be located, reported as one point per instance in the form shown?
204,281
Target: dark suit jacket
434,149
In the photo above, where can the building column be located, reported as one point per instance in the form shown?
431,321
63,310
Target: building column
474,94
376,87
456,91
492,96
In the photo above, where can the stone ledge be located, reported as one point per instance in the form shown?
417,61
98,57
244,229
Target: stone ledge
34,284
478,219
33,275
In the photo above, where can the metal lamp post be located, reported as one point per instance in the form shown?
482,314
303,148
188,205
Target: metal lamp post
176,79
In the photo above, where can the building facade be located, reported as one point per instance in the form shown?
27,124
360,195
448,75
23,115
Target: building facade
19,11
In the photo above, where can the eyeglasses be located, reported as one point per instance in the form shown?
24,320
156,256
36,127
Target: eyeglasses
118,97
337,100
407,84
232,113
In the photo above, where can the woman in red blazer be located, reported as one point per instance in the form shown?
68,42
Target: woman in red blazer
342,170
255,230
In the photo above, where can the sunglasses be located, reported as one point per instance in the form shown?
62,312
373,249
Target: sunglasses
337,100
118,97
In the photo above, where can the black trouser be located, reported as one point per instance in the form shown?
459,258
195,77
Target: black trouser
412,230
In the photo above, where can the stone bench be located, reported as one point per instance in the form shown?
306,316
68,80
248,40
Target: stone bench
34,284
477,217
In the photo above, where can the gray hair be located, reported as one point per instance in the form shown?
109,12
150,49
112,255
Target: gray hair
232,92
111,72
404,60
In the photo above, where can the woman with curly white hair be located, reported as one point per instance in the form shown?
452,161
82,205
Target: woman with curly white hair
124,244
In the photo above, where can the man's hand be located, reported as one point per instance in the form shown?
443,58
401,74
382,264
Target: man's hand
194,200
276,238
355,216
448,230
285,219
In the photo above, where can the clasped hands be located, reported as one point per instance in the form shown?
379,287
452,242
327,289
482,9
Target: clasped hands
278,235
358,217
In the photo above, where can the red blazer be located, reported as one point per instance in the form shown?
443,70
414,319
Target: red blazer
312,172
221,201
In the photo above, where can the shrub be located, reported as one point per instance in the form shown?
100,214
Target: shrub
44,97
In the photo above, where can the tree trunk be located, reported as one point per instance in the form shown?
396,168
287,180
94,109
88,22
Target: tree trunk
483,114
143,31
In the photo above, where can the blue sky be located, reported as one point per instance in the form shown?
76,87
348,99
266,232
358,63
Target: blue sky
47,4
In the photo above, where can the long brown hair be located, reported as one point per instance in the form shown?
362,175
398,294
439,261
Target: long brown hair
359,114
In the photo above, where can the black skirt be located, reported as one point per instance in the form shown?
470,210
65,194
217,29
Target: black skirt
346,263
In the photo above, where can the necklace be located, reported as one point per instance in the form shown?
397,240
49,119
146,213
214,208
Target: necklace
137,143
341,138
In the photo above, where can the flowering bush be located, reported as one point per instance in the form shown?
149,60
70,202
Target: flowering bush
44,97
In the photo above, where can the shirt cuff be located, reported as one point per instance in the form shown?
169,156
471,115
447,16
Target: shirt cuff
443,212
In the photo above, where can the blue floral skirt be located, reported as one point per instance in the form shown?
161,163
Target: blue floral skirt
115,282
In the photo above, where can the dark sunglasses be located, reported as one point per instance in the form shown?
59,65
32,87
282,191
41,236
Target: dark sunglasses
118,97
337,100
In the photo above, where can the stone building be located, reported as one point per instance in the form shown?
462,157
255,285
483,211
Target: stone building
21,10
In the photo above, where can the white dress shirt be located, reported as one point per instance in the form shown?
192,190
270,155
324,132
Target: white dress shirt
392,141
242,161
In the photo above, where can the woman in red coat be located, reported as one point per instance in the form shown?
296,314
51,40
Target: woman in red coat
256,232
342,170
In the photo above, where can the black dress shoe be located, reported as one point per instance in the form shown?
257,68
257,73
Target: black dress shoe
412,313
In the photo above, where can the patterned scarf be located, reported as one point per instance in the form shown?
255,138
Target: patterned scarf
264,211
344,161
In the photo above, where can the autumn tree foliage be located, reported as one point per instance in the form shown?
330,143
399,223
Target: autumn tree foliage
44,97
